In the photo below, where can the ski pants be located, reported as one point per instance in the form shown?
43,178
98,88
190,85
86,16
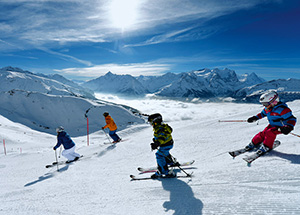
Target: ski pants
70,154
267,136
113,135
161,155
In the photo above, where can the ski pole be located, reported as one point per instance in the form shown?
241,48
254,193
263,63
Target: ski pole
176,165
56,160
232,120
60,150
106,135
295,134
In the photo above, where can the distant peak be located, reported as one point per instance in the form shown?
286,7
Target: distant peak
109,73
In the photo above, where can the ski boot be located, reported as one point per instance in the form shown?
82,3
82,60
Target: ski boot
263,149
171,174
250,147
156,175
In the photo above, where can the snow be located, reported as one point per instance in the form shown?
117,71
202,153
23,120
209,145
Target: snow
99,183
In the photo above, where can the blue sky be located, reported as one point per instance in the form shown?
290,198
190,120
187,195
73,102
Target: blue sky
85,39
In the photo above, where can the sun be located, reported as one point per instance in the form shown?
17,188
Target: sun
124,13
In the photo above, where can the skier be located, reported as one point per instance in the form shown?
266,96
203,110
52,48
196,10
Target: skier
69,146
112,127
162,141
281,121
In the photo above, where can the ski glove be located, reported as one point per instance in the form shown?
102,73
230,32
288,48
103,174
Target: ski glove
252,119
285,129
154,145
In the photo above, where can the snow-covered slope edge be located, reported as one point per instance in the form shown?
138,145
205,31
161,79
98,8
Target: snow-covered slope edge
45,112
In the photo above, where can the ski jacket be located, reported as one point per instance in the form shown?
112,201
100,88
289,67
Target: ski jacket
162,134
279,115
110,123
64,139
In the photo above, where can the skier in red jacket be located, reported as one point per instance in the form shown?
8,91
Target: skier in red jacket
281,121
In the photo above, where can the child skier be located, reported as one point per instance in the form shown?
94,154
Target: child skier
281,121
69,146
112,127
162,141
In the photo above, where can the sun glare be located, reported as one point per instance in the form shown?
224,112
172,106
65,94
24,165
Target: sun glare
124,13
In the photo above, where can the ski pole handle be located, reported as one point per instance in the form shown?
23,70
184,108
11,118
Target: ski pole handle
232,120
290,132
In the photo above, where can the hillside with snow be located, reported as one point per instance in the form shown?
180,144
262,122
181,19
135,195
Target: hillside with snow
45,102
12,78
99,182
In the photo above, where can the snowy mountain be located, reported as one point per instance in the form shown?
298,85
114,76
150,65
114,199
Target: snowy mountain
45,112
99,182
14,78
116,84
207,83
46,102
201,84
155,83
204,84
288,90
250,79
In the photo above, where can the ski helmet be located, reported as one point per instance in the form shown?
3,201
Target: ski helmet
269,99
105,114
155,118
59,129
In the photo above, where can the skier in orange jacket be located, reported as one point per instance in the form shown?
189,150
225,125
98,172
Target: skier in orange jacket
111,125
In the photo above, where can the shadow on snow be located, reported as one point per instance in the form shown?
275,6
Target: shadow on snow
293,158
47,176
182,199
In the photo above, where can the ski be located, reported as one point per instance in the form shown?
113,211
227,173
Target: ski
60,163
136,178
111,143
55,163
253,157
237,152
242,151
153,169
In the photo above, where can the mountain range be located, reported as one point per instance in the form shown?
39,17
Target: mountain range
204,85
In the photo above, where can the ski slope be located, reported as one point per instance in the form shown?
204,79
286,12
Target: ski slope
99,183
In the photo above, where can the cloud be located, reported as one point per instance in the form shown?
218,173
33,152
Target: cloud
66,57
41,22
134,69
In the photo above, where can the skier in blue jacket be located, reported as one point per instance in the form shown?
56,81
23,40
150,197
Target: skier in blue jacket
64,139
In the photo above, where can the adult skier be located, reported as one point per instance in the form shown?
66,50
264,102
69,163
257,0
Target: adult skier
281,121
64,139
162,141
111,125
